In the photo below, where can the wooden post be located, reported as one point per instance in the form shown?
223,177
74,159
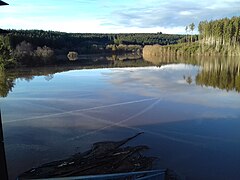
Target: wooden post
3,163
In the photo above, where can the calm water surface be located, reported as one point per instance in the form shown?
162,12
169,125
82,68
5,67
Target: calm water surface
192,126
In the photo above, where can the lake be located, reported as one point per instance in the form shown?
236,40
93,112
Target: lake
189,109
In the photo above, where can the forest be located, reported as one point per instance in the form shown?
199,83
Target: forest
38,47
222,32
55,39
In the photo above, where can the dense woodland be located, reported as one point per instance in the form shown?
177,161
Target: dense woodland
71,40
220,32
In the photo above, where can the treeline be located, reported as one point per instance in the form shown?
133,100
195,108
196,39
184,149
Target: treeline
57,40
220,32
70,40
218,37
147,38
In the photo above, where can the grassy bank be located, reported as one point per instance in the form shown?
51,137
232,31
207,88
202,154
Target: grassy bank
190,49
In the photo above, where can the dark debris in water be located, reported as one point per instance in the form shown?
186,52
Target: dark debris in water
103,158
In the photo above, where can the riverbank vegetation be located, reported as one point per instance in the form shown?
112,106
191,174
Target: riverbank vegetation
6,56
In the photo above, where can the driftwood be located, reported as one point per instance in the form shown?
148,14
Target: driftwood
103,158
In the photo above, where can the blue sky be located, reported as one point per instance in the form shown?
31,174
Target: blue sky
113,16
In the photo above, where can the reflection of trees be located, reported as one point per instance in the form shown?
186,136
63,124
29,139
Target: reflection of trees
6,84
189,80
122,57
217,72
8,78
223,74
49,77
127,60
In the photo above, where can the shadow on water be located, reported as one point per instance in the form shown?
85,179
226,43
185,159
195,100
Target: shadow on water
197,149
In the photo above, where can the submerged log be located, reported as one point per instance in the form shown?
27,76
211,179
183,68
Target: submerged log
103,158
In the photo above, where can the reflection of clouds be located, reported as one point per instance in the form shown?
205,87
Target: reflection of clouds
131,99
163,79
183,67
118,87
168,82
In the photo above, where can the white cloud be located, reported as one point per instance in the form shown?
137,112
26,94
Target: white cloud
82,26
185,13
114,17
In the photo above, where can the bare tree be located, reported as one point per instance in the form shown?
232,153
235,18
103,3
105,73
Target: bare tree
24,49
186,29
192,27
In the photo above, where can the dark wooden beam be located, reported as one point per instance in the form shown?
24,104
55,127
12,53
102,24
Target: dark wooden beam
3,163
1,30
2,3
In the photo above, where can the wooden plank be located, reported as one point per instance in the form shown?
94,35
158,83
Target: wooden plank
3,164
2,31
2,3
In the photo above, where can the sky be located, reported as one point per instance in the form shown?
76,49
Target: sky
114,16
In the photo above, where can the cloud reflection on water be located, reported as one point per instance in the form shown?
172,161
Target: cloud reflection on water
46,120
168,82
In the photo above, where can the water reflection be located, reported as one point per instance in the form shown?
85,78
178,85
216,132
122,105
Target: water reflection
8,77
7,82
52,113
221,73
216,71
